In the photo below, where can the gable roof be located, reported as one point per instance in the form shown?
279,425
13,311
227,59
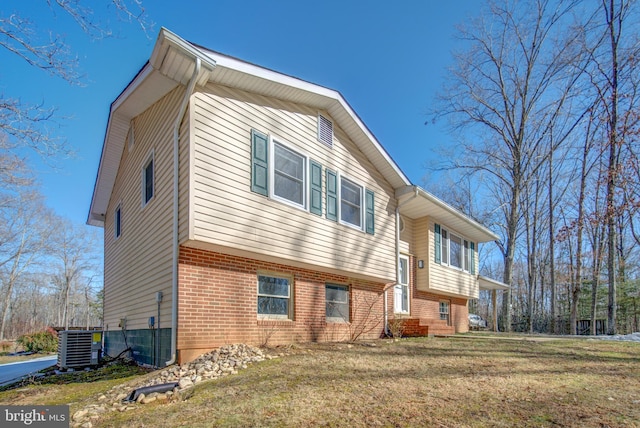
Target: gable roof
172,63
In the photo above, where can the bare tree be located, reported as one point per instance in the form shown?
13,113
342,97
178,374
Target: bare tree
613,49
24,125
509,88
25,236
74,260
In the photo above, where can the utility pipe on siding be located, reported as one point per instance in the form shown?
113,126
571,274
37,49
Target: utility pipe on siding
386,310
176,182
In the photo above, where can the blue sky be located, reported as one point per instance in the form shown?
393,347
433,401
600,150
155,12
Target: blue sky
386,58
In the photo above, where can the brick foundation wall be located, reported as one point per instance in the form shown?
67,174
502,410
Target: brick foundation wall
217,305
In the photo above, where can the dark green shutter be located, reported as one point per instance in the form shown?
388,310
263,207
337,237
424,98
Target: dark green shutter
472,248
332,195
259,163
437,243
315,188
370,217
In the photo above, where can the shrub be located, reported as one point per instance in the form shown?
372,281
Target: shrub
43,341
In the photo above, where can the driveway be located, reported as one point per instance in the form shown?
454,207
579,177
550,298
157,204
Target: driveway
11,372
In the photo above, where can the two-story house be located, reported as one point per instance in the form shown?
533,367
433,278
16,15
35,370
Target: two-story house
240,204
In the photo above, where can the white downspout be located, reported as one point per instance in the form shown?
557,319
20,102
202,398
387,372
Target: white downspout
386,310
176,181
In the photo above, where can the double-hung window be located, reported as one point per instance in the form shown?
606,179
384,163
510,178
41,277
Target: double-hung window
337,302
289,175
453,250
444,311
275,296
350,203
283,173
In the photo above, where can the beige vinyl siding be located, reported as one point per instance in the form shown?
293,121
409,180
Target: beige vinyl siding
226,213
138,263
407,236
439,278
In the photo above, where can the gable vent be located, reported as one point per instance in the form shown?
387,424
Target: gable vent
325,130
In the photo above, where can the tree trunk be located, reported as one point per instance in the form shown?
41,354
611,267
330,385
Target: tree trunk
612,171
512,226
552,263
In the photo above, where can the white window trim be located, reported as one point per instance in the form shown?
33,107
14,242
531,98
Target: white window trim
117,221
463,239
340,319
289,316
149,158
273,140
406,285
363,202
448,303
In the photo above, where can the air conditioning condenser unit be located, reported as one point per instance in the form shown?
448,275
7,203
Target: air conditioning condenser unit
79,348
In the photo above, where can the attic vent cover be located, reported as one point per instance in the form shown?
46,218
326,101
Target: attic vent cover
325,130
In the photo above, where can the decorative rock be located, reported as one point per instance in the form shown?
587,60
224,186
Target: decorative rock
147,400
185,382
212,365
79,415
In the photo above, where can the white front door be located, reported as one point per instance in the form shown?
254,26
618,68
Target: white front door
401,290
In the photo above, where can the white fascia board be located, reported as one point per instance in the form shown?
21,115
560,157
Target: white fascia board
487,283
105,177
408,191
345,105
331,95
167,39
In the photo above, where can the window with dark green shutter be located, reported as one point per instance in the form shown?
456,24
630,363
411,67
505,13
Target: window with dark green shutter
437,244
259,163
370,213
473,258
350,203
289,175
315,188
332,195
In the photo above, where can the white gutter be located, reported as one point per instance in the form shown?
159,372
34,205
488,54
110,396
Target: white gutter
386,310
176,181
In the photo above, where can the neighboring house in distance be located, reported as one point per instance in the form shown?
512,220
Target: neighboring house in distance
244,205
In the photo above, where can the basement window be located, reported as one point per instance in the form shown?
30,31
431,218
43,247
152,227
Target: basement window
274,297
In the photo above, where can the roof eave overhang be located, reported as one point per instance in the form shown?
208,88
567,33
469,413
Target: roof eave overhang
171,64
428,205
486,283
239,74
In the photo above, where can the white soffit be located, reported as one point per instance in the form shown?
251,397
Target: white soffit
248,77
428,205
172,63
491,284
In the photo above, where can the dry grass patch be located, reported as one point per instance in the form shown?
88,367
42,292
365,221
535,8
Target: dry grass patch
417,382
425,382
